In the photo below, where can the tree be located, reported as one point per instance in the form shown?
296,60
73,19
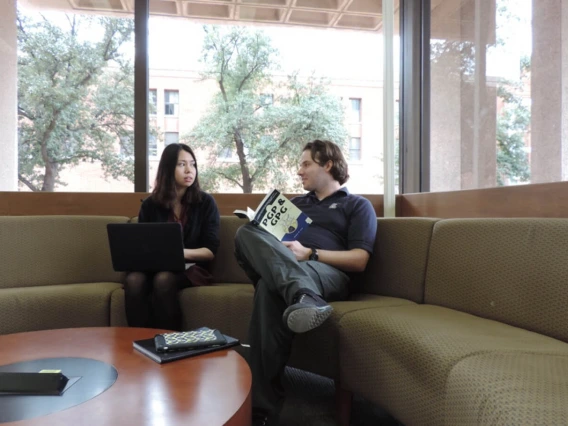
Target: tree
513,124
75,98
264,121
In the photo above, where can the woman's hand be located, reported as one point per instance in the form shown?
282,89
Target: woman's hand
198,255
301,252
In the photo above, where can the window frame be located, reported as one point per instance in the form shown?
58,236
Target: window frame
141,96
174,105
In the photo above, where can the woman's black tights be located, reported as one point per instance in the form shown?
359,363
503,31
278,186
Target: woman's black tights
152,300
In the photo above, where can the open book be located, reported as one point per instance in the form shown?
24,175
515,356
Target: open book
277,215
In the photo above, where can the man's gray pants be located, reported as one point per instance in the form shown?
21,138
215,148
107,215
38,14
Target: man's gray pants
277,276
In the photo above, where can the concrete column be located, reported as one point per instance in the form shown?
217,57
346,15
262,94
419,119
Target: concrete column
463,106
548,91
478,105
445,124
8,97
445,121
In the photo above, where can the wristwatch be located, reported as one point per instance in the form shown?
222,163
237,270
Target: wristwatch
314,255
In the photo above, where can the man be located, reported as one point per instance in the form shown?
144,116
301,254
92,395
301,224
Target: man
295,280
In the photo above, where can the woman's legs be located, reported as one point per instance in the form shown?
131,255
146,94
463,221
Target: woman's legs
167,310
136,296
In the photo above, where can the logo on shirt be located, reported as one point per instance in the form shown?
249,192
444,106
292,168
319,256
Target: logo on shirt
333,206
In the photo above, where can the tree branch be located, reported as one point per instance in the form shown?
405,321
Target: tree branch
25,114
27,183
229,178
282,145
246,77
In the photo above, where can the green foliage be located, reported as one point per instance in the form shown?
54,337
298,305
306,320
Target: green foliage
75,98
262,122
512,125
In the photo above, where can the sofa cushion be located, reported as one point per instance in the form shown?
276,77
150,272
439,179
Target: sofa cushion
47,250
317,351
401,357
228,307
510,270
508,389
397,267
56,306
118,309
225,268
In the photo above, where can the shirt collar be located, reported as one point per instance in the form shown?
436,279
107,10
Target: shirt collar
343,191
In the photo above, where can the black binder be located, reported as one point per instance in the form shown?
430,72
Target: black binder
148,348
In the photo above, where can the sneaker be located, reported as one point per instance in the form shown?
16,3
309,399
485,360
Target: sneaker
306,313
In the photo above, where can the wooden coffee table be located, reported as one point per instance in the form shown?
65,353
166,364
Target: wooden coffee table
212,389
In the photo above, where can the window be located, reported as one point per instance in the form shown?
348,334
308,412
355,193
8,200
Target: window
171,101
153,101
88,95
266,99
355,149
300,92
225,154
152,146
496,95
355,116
171,137
292,95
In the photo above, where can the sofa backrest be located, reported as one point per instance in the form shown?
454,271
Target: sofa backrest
398,265
225,268
47,250
509,270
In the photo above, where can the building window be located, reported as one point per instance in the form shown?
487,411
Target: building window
266,99
355,110
355,149
171,137
171,101
153,101
225,154
152,146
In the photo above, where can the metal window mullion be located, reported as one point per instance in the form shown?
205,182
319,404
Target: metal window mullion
414,96
141,83
389,199
425,97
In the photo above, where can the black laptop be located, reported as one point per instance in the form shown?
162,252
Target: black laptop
146,247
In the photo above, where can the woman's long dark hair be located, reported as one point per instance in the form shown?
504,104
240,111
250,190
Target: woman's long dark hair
164,192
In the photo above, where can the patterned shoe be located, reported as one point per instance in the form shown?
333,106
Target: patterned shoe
306,313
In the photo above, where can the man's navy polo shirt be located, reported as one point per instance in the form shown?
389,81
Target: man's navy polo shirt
341,221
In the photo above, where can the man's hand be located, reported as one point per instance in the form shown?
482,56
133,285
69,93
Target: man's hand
301,252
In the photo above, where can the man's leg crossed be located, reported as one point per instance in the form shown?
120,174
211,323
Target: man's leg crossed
260,254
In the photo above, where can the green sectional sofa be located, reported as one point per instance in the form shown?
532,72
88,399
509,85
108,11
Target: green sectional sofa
454,322
55,272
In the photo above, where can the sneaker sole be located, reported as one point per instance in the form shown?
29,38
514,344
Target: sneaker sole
306,319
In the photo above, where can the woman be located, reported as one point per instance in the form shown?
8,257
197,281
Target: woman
152,299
